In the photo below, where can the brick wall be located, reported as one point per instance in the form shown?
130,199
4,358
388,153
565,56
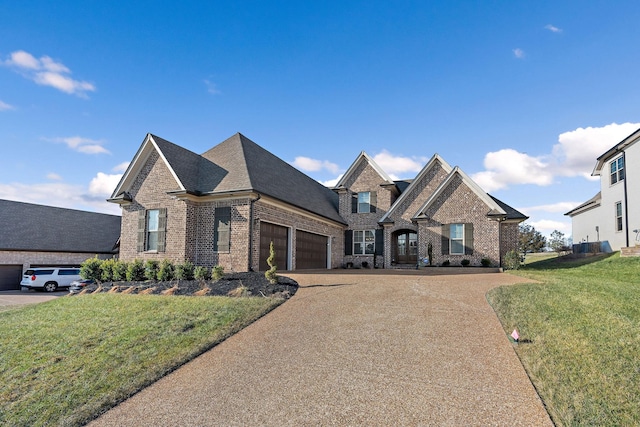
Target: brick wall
365,178
149,191
459,204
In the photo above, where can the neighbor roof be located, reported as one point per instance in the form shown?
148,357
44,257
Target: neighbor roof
615,150
31,227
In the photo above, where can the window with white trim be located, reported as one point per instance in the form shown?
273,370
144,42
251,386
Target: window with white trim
364,202
456,239
617,170
618,216
364,242
153,227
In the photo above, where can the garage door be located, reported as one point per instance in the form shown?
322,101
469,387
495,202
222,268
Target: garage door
311,250
10,276
279,235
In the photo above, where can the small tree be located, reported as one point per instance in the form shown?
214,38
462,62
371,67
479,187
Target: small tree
151,268
530,240
202,273
135,271
557,242
90,269
430,253
217,272
270,274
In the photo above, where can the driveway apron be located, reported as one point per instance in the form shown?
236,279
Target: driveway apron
355,349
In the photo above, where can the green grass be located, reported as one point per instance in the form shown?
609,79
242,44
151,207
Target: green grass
65,361
580,336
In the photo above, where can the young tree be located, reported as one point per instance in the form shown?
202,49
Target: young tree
530,240
556,241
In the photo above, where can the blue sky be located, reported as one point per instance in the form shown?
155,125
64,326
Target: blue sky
523,96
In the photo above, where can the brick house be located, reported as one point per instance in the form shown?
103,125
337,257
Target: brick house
224,207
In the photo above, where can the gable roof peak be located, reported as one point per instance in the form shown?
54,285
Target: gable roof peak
363,156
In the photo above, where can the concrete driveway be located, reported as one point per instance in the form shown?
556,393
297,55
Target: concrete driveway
9,298
355,349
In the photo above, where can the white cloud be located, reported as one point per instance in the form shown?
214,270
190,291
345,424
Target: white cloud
58,194
312,165
577,150
574,155
518,53
553,28
560,207
212,88
5,107
332,182
510,167
47,72
82,145
103,184
548,226
398,167
54,176
121,167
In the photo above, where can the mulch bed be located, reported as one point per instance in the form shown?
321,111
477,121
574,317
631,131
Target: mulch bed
233,284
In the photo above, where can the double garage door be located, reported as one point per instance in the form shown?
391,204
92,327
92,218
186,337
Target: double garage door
311,249
10,276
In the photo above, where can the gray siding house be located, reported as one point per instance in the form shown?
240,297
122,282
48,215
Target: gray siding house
225,206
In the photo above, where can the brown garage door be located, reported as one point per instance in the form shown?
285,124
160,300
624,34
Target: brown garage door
311,250
10,276
279,235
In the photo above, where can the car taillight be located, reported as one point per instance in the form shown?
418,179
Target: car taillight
33,278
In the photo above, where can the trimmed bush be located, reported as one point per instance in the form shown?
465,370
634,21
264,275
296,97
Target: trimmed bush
511,260
270,274
217,272
485,262
151,268
135,271
202,273
106,270
446,263
185,271
465,262
166,271
90,269
119,271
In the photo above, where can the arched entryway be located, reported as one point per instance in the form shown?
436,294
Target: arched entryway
405,247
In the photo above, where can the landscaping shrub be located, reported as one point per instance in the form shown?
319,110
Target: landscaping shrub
270,274
465,263
217,272
446,263
511,260
166,271
90,269
202,273
119,271
106,270
135,271
185,271
485,262
151,268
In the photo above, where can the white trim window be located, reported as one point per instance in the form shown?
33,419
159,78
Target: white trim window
456,239
364,202
364,242
618,216
153,228
617,170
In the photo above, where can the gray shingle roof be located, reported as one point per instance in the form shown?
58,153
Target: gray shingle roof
30,227
511,212
239,164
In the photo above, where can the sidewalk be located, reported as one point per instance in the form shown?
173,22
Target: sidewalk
348,349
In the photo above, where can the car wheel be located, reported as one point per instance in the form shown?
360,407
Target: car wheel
50,286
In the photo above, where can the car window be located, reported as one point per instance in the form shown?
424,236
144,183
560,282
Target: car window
29,273
42,272
70,272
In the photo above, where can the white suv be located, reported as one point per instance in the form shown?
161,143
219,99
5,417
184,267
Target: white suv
49,278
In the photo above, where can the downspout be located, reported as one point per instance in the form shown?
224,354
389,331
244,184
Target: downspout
250,258
626,205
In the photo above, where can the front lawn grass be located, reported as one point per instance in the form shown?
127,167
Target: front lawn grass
65,361
579,336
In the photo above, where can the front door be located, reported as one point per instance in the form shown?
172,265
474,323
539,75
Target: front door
406,247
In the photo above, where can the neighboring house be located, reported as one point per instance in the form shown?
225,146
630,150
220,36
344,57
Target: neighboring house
612,217
226,206
36,236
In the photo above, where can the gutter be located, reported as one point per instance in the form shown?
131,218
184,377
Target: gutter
626,205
